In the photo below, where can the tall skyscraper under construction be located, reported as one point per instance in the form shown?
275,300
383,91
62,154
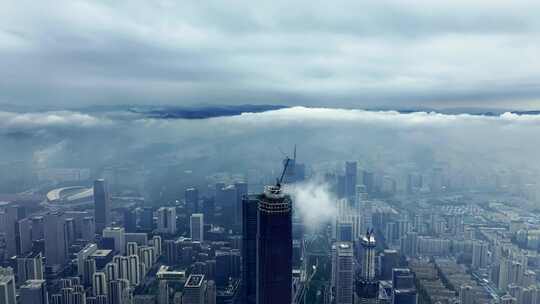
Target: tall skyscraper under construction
367,288
342,273
274,246
267,247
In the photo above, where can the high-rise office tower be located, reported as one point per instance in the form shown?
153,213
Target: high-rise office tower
341,187
33,292
56,299
118,291
132,248
130,220
389,261
347,222
166,220
99,284
111,271
70,230
88,271
67,295
342,272
196,224
226,201
351,170
156,242
367,288
480,255
102,205
37,228
30,267
227,266
274,247
466,294
78,297
404,289
194,290
163,292
12,215
123,266
209,209
118,235
102,299
23,231
391,233
7,286
368,180
367,259
364,209
192,200
147,256
88,229
56,244
250,206
211,292
143,270
133,270
146,219
345,231
85,267
409,244
241,191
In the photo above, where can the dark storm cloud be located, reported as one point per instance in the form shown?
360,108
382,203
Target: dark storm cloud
347,53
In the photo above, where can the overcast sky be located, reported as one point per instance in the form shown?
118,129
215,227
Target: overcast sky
391,54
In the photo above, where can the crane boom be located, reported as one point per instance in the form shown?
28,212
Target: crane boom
280,180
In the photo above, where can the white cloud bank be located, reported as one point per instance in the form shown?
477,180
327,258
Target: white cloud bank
420,119
12,121
314,201
322,134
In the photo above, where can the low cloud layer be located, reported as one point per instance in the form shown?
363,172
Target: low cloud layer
390,142
390,53
314,201
20,122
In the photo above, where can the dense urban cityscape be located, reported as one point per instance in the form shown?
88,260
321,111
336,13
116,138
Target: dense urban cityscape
269,152
428,240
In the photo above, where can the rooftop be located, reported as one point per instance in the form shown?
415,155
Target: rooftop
101,253
195,280
33,284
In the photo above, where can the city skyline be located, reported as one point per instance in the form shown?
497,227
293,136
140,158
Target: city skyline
270,152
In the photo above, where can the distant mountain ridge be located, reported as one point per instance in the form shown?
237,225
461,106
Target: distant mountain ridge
211,111
173,112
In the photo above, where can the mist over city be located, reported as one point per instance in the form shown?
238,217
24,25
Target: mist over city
271,152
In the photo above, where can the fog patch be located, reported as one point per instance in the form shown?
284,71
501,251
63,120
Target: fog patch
314,201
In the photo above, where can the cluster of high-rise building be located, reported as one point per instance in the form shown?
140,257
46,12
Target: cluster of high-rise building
223,244
140,254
